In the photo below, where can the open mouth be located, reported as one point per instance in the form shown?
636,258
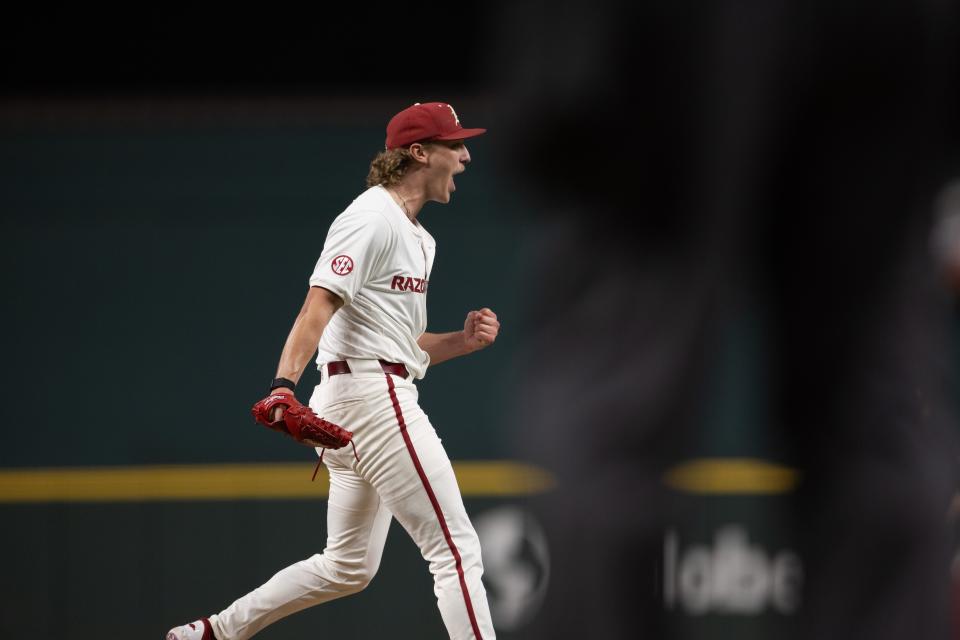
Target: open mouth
453,185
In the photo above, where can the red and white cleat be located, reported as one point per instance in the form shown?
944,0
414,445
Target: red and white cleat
199,630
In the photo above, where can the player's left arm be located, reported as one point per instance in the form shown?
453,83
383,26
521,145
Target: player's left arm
480,330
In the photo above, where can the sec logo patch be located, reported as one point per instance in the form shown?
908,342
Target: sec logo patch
342,265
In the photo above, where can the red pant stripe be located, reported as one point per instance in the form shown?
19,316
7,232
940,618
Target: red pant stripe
436,507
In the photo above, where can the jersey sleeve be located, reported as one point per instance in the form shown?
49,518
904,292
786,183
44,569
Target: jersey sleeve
352,252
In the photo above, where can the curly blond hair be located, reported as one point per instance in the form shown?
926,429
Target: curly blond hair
389,167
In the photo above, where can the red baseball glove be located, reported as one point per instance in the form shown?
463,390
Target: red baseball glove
300,422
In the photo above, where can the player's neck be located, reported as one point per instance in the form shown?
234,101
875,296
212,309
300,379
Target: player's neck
409,198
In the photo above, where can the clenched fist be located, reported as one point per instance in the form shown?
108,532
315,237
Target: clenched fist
480,329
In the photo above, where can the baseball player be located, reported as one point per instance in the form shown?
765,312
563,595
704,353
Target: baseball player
365,316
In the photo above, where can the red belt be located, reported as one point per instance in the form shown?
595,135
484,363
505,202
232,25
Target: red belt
341,366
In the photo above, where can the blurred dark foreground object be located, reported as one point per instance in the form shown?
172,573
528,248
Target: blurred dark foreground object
684,161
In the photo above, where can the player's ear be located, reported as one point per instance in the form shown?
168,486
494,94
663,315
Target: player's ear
418,151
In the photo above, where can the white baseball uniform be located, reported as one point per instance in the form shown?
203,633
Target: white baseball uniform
379,262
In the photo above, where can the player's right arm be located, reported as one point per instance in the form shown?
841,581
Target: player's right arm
318,307
277,409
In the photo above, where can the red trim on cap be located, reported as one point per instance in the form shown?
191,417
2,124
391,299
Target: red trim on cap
436,507
460,134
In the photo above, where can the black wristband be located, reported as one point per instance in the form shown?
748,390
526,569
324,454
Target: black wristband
283,382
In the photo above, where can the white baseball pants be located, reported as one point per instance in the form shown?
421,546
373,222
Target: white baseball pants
403,473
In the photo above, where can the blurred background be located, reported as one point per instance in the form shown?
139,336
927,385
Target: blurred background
722,240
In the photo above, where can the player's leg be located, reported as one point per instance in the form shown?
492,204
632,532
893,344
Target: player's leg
422,493
357,525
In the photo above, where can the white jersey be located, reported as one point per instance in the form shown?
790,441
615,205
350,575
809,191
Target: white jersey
379,262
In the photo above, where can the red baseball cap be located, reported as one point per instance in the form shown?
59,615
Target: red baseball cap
426,121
